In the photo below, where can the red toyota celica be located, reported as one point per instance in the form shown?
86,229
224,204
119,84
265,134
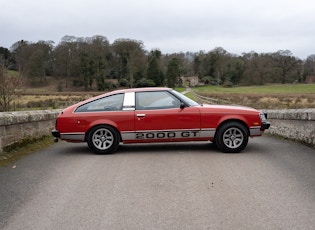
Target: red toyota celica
149,115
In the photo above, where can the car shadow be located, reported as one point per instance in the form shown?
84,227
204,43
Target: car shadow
144,148
148,148
67,148
179,147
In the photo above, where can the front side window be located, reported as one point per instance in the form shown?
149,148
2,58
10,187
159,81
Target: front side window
156,100
110,103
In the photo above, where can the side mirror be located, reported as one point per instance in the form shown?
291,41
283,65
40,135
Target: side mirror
182,105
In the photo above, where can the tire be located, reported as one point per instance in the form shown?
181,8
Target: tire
232,137
103,139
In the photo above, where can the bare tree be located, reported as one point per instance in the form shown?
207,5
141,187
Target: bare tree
131,56
8,86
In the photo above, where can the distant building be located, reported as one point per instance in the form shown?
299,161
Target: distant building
190,81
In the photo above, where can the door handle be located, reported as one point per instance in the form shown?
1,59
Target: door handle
140,115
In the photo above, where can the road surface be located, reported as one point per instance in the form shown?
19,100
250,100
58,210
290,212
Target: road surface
271,185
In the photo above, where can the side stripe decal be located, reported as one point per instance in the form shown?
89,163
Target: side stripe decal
167,134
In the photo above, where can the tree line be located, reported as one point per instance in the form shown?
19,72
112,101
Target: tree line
92,62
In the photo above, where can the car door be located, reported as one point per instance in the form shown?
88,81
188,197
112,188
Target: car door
158,116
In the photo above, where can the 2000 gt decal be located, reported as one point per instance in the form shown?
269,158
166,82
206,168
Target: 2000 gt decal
160,135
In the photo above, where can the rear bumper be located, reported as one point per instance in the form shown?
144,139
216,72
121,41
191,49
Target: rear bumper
55,133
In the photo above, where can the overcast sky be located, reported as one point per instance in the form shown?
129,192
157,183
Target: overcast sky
168,25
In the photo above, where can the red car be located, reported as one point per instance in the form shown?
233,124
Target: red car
146,115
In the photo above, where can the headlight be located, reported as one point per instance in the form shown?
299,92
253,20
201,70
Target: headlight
263,116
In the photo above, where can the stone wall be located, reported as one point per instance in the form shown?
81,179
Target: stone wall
297,125
293,124
28,125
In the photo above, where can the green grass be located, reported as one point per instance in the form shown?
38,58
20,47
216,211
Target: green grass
180,89
264,89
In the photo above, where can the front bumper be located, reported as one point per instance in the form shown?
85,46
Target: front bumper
265,125
264,122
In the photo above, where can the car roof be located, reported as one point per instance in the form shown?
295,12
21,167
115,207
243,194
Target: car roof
141,89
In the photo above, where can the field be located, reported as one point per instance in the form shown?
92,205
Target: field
287,96
48,100
264,89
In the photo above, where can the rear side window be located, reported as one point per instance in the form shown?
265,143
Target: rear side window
110,103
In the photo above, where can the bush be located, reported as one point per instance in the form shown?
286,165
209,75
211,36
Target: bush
123,82
77,83
227,84
143,82
48,103
59,87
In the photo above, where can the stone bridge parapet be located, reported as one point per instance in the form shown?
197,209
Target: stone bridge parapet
27,125
293,124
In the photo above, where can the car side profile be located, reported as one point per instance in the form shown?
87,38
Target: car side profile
150,115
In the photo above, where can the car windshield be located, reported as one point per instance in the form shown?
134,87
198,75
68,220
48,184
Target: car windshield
185,99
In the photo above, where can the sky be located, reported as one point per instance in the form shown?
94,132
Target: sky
172,26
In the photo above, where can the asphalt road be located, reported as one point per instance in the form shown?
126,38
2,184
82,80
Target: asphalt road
271,185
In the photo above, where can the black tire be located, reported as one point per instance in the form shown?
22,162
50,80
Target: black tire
232,137
103,139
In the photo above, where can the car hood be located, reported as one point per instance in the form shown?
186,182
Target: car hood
228,107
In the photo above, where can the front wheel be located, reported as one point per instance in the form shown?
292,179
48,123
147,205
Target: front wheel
103,139
232,137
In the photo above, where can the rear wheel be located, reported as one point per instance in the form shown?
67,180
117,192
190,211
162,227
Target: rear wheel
232,137
103,139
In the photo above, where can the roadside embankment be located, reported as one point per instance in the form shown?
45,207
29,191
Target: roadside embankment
20,127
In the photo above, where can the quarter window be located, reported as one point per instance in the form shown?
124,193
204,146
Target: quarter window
110,103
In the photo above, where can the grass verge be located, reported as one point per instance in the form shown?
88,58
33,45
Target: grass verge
20,151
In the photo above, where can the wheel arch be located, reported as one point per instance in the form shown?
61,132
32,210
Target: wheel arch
232,120
110,124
